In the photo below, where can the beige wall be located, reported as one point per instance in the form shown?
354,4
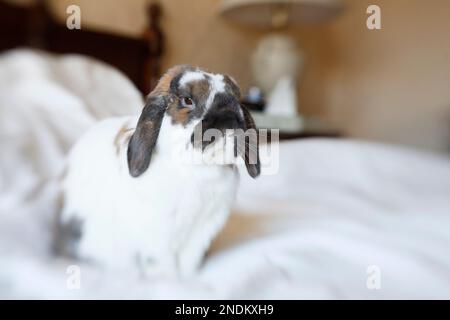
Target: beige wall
194,33
391,84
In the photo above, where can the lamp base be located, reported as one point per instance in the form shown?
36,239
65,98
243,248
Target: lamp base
282,100
276,64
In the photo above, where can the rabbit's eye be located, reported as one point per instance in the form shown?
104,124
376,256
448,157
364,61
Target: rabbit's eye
187,102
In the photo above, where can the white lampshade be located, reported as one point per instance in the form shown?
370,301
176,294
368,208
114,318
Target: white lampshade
274,13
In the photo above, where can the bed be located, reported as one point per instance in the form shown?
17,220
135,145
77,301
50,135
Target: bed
340,218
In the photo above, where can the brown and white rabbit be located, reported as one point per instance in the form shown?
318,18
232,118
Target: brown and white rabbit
129,191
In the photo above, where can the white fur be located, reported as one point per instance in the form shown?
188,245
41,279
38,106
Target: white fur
217,81
164,220
191,76
217,85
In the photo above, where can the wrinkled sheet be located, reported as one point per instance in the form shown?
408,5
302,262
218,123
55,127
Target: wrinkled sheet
336,216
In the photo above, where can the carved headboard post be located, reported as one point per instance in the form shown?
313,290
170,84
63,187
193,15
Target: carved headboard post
33,26
154,37
37,23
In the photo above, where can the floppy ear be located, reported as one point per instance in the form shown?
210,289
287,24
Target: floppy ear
143,140
251,153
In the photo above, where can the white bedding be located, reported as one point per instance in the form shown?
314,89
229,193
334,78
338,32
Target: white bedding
335,208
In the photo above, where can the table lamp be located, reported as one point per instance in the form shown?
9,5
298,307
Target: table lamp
277,62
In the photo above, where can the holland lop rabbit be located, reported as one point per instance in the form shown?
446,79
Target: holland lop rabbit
133,196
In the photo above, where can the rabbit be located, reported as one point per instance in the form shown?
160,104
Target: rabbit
132,196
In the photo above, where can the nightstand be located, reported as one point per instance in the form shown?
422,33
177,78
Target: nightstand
295,127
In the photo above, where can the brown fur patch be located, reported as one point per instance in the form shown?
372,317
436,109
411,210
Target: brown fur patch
163,85
200,90
179,115
121,137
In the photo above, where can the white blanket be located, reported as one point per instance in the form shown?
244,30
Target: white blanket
341,218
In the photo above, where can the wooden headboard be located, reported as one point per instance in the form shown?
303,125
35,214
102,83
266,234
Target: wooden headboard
33,26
